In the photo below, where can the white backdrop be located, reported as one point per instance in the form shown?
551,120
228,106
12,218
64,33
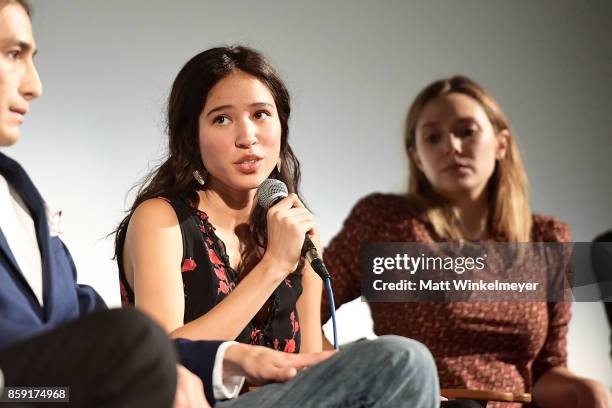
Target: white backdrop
352,68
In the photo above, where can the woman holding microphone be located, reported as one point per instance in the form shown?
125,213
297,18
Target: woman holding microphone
195,251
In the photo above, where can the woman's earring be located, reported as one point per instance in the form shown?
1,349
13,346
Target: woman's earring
200,178
278,166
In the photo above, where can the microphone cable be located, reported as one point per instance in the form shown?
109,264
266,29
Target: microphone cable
309,251
332,309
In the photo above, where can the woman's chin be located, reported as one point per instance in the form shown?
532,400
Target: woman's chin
458,189
248,182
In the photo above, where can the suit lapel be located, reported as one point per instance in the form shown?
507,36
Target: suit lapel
20,181
8,254
16,276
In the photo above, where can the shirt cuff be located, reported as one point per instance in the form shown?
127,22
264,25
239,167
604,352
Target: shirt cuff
229,386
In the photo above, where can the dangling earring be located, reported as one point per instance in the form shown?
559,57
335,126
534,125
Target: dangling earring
200,178
278,166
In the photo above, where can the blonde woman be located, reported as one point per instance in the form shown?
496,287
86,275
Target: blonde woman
467,183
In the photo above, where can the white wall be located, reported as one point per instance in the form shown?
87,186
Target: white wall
353,68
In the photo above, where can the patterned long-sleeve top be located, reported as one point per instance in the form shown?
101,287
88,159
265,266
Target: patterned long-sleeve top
479,345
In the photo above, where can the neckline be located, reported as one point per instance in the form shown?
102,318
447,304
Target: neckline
218,244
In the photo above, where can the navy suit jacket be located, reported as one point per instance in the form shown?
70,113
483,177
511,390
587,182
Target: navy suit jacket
21,316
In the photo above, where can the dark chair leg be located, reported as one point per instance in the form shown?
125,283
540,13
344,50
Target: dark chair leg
460,403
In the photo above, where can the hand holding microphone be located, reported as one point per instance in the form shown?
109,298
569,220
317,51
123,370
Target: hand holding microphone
290,227
288,222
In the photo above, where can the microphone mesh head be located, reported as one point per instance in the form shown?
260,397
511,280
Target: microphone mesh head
270,191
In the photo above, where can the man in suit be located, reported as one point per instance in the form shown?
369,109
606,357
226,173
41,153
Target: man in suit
54,332
38,293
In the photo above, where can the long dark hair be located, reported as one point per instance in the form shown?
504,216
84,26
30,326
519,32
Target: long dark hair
174,176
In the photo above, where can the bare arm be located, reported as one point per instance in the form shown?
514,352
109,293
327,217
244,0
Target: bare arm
326,344
227,319
309,311
152,258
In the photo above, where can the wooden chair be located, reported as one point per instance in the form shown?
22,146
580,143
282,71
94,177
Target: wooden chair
484,396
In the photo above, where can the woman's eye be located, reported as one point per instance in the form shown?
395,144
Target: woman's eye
432,138
467,131
220,120
261,114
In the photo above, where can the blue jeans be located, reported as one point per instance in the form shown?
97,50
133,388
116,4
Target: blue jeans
390,371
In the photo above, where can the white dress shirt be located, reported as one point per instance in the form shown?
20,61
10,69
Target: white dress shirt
225,387
18,228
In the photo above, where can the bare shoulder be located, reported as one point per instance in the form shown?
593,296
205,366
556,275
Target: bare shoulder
154,213
153,222
153,238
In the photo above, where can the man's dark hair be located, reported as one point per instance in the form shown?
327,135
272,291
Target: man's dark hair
22,3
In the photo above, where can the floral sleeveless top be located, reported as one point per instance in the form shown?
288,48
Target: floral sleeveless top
208,278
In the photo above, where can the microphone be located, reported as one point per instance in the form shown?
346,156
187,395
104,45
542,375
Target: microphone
269,193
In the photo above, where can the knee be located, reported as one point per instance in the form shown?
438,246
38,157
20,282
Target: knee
408,354
402,364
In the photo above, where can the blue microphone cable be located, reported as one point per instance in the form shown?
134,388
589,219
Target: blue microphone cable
309,251
332,309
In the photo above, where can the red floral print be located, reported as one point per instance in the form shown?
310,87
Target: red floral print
289,346
295,325
224,288
256,335
188,265
213,257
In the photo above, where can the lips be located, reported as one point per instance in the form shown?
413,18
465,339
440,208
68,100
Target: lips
456,167
248,164
19,110
18,114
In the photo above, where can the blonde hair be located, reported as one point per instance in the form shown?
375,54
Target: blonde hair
509,215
